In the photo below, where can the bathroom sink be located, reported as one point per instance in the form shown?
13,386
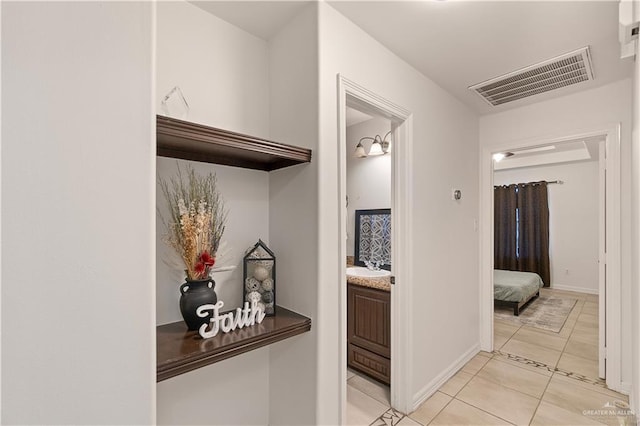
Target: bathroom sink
359,271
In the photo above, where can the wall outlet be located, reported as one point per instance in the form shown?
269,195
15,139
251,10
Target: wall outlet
566,272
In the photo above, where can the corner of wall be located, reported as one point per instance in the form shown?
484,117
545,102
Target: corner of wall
293,216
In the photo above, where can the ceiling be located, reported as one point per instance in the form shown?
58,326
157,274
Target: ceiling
354,116
263,19
570,151
460,43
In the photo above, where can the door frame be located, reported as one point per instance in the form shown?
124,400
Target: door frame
602,257
352,94
613,222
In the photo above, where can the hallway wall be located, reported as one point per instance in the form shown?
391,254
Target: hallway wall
445,156
78,185
635,197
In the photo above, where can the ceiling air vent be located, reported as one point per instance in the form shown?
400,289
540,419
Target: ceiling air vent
565,70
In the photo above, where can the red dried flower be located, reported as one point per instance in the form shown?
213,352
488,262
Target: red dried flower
200,268
207,259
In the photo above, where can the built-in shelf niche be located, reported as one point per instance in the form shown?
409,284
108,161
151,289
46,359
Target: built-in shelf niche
179,350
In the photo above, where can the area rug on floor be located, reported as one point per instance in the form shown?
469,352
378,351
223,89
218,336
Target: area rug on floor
546,312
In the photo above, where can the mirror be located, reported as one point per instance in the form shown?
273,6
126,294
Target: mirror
373,237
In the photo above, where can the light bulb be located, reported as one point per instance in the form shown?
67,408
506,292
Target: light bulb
376,149
360,152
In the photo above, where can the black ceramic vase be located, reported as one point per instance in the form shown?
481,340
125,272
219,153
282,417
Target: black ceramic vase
193,294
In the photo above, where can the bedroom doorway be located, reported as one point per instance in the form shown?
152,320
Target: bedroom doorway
567,324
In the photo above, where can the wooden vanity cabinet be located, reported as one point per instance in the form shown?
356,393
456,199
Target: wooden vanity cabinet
369,331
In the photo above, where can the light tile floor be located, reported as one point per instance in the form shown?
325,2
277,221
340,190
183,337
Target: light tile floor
533,377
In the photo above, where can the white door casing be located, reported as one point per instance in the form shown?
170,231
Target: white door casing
602,257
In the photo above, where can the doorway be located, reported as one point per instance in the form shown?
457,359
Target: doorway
369,153
605,307
356,97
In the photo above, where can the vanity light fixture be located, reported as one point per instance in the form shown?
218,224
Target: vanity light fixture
499,156
379,146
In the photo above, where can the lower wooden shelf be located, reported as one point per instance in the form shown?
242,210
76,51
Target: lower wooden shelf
180,350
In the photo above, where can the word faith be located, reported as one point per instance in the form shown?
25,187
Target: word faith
246,317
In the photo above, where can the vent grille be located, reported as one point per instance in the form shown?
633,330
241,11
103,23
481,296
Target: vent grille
571,68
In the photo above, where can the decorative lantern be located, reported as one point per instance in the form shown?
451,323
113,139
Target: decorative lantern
260,277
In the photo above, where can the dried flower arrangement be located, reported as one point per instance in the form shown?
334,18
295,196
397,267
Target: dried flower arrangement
197,220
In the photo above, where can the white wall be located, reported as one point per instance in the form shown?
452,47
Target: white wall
445,156
78,166
635,197
223,73
369,178
592,109
231,392
221,69
293,217
573,220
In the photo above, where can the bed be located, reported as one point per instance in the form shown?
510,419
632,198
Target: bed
515,289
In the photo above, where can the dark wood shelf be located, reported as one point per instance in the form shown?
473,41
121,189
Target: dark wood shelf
191,141
180,351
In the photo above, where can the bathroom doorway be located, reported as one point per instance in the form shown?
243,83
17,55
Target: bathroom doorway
369,151
375,201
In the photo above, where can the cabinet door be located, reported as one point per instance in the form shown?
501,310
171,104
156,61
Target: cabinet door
369,319
373,365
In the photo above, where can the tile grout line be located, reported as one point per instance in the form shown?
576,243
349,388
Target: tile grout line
533,416
484,411
466,384
511,337
498,358
597,383
439,411
453,397
570,333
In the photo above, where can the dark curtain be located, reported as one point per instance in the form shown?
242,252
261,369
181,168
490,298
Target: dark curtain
533,233
505,203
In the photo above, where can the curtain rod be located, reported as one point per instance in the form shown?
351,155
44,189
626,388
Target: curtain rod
549,182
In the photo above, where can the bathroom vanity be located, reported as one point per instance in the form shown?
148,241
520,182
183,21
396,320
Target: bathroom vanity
369,297
369,328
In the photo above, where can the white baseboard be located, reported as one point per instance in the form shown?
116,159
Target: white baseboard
572,288
634,401
625,388
431,387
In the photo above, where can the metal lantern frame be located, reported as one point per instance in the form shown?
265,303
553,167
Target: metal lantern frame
250,258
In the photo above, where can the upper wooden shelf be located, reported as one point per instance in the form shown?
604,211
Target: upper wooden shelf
191,141
180,350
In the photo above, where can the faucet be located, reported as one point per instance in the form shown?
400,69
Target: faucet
373,266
